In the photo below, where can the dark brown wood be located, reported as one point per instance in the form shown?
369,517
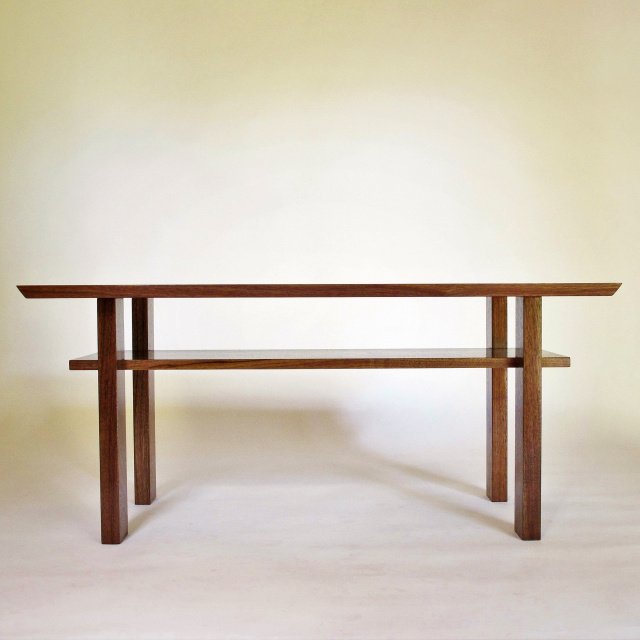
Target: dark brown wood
528,419
324,359
144,424
497,404
316,290
111,361
111,400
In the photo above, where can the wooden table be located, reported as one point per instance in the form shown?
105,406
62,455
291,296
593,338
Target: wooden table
111,361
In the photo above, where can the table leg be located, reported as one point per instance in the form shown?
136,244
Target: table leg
528,418
144,430
497,403
111,400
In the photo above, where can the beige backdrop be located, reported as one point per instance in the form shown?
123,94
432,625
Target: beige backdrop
323,142
231,142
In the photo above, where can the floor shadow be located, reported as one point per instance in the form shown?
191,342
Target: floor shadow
199,446
428,475
235,444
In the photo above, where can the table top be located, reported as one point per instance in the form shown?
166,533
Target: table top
317,290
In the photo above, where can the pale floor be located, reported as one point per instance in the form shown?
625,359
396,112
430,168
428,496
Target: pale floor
276,525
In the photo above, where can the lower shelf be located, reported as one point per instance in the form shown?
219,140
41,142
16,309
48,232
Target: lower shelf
324,359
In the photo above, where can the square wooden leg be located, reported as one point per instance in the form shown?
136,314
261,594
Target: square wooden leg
111,400
497,404
528,418
143,404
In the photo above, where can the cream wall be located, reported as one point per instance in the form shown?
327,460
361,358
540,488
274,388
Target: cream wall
153,142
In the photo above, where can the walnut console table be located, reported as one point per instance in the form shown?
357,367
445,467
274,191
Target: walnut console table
111,361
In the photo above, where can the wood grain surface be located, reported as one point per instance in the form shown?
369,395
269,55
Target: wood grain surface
113,441
497,405
144,425
316,290
323,359
528,432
